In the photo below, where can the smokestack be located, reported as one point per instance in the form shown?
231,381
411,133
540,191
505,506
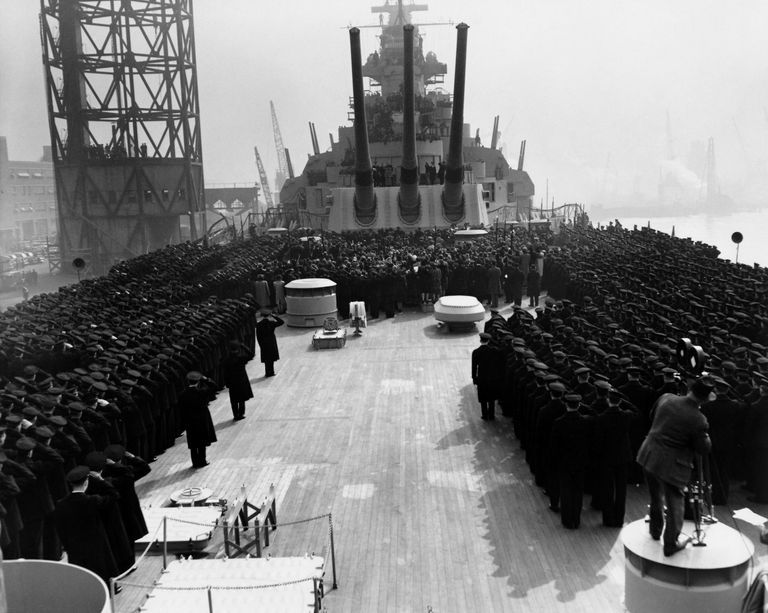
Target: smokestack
365,204
453,203
409,170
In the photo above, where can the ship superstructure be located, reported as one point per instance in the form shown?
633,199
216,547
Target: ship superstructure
407,146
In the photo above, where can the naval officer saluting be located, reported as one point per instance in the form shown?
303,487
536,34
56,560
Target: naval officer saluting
265,336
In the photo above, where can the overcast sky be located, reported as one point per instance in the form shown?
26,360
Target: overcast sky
589,84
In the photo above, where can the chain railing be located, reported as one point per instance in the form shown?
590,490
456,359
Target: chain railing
264,520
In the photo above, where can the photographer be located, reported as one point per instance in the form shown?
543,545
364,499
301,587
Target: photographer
679,430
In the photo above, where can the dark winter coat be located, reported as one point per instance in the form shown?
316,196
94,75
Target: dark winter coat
122,478
81,529
265,336
235,376
121,545
195,416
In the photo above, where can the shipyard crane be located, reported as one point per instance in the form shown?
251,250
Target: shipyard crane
264,181
282,173
496,133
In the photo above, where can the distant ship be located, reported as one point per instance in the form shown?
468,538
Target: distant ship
408,161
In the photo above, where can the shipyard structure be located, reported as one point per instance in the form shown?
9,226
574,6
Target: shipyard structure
124,121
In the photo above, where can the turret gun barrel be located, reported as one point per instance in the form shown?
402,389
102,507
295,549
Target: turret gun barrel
454,173
409,170
365,205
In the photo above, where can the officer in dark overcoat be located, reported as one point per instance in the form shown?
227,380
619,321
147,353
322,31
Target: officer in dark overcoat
195,416
725,417
123,478
613,454
119,542
487,372
236,378
554,409
569,449
81,528
756,425
640,395
265,336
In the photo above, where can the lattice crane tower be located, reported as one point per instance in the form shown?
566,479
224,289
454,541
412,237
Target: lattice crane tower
264,180
282,160
124,117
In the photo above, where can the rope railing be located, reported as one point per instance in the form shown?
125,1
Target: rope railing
317,589
199,588
142,556
280,525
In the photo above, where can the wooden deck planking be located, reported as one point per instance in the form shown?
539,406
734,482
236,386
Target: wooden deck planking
440,509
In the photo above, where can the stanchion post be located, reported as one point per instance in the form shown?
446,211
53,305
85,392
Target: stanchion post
165,542
317,594
112,594
210,599
257,529
274,502
333,551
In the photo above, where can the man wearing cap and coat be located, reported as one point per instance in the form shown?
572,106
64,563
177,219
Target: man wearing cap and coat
36,502
757,442
122,546
487,374
196,418
725,417
265,336
613,455
81,528
236,378
678,432
15,478
123,478
569,456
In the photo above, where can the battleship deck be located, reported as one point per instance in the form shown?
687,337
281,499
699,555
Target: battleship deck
433,509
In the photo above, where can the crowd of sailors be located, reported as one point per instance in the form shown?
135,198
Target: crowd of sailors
92,375
581,375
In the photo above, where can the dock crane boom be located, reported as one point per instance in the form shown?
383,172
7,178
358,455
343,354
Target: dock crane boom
264,181
281,158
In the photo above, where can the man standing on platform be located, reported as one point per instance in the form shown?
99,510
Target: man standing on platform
265,336
679,430
487,372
